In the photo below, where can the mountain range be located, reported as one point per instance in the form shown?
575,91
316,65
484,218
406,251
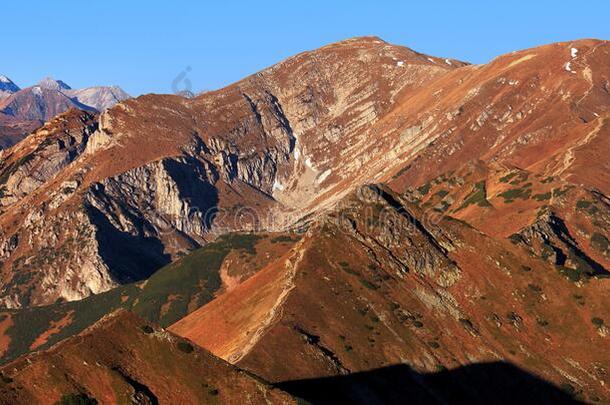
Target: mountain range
360,223
23,110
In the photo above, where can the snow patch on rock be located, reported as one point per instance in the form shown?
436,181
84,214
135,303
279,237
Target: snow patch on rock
277,185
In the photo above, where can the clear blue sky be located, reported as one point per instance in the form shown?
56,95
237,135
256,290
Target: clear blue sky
144,46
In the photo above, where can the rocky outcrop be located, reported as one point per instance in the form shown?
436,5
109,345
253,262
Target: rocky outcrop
55,146
550,239
388,229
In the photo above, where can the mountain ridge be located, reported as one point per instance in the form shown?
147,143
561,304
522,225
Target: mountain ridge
447,215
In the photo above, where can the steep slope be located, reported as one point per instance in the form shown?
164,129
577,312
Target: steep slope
544,110
39,104
165,297
51,84
123,359
374,284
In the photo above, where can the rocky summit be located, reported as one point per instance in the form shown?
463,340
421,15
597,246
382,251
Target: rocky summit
361,223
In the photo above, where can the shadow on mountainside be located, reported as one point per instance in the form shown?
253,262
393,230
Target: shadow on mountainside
129,257
485,383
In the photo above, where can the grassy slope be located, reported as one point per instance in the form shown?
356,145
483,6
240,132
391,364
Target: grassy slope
163,298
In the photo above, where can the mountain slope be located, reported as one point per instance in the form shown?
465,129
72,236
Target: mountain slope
229,150
163,298
122,359
372,286
290,142
101,98
484,240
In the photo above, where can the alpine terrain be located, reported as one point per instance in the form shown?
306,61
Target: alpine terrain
361,223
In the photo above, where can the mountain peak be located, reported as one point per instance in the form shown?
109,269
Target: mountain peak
7,85
52,84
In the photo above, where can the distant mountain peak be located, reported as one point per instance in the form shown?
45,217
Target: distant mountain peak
7,85
52,84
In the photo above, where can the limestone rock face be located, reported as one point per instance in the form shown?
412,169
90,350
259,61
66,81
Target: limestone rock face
37,164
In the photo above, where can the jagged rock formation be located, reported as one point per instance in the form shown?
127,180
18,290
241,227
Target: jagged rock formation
239,142
550,239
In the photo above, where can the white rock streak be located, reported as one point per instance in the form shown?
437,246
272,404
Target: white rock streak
277,185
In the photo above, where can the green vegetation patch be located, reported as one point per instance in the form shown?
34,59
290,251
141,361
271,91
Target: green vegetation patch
478,196
185,347
76,399
164,298
542,197
508,177
515,178
368,284
558,192
600,242
401,172
348,269
285,239
424,189
441,193
511,195
587,206
598,322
